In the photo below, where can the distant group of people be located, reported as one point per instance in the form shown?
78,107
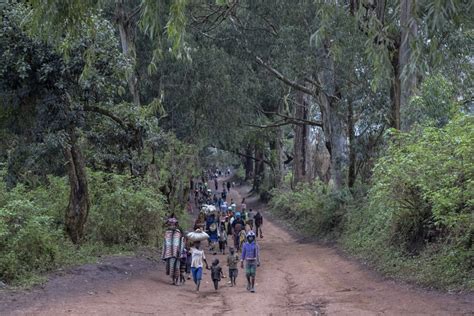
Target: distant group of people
227,227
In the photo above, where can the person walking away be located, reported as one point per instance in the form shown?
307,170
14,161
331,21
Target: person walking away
182,266
224,207
243,236
216,273
229,220
250,220
220,202
258,221
189,259
228,186
216,183
237,225
222,239
232,263
245,216
243,205
251,257
198,258
213,231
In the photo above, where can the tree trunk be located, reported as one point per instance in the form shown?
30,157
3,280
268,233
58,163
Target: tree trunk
333,124
300,143
259,172
278,163
127,39
351,174
78,208
408,31
395,90
249,168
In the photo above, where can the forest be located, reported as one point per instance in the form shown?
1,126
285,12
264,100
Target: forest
352,119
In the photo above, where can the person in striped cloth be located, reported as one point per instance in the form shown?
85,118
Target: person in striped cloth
172,249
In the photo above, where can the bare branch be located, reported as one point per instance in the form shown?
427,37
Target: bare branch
116,119
284,79
295,120
235,151
253,158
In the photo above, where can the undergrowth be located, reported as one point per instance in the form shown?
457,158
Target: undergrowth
126,213
415,223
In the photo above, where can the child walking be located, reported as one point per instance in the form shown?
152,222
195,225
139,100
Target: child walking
182,266
232,262
216,273
222,239
197,260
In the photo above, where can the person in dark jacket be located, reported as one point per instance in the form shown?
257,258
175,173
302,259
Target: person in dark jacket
258,221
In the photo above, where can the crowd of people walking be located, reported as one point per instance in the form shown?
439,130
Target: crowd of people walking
230,231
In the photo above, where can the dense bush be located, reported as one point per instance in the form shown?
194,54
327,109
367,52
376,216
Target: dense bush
29,235
418,220
125,212
312,208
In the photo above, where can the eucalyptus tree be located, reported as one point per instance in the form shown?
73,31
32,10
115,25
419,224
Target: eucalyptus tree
54,95
160,21
81,42
404,39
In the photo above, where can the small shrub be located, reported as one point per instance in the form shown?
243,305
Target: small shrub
240,173
28,240
313,208
125,211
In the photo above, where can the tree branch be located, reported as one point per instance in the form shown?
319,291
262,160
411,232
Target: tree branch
134,13
272,125
251,157
235,151
284,79
295,120
116,119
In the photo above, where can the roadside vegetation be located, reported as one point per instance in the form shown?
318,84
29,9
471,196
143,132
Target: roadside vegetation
415,220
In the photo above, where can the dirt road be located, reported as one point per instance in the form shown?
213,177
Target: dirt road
294,279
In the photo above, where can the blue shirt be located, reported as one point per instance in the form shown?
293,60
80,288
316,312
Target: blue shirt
250,251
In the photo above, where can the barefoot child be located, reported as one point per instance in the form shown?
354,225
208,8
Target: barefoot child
232,262
197,260
216,273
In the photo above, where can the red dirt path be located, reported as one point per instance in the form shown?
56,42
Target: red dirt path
294,279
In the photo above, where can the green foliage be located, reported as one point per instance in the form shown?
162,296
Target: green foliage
434,105
312,208
126,212
175,163
28,235
419,210
240,173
